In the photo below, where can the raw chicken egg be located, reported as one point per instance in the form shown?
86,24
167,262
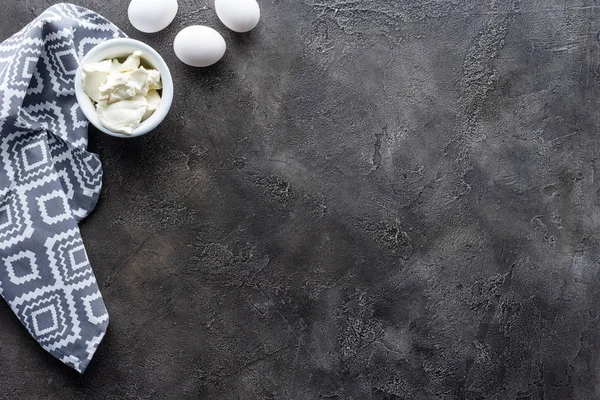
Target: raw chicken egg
199,46
152,15
238,15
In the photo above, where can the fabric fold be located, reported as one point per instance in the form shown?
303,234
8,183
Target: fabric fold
49,182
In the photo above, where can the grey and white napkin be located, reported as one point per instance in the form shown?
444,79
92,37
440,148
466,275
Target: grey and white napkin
49,182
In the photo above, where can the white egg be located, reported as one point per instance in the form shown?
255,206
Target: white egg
199,46
151,15
238,15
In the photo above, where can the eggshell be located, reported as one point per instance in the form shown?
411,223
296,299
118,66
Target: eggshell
152,15
199,46
238,15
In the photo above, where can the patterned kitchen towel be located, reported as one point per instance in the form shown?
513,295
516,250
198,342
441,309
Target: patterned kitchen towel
49,182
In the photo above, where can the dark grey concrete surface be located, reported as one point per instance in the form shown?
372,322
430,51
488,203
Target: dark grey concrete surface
367,199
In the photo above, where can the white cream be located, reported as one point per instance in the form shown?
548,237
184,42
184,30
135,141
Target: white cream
125,93
122,116
124,86
93,76
153,99
154,79
132,62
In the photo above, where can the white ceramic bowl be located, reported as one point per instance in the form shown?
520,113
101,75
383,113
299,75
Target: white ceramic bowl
117,48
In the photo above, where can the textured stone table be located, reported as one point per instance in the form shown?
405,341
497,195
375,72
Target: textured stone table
364,200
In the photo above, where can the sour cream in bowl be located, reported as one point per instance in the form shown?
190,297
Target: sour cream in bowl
124,87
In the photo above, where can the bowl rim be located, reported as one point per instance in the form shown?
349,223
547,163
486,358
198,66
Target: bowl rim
98,53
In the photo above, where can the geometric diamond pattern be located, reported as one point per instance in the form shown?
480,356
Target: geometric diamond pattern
62,250
34,155
5,216
78,257
45,320
64,328
60,68
93,309
48,183
27,157
15,220
22,267
24,66
57,203
66,183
